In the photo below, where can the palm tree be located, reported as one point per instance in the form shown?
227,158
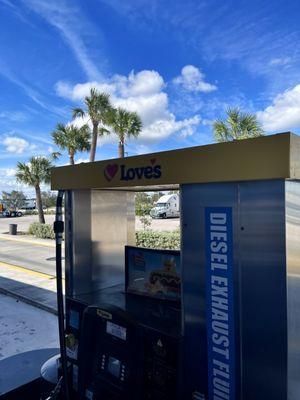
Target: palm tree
34,173
98,105
72,139
125,124
238,125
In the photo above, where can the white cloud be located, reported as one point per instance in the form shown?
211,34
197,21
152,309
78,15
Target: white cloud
80,90
17,145
142,92
82,160
8,183
71,24
283,113
8,172
193,80
15,116
7,179
281,61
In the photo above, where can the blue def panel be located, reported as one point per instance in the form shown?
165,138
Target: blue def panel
220,302
234,290
198,204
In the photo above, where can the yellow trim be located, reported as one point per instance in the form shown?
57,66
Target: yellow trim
267,157
25,270
28,241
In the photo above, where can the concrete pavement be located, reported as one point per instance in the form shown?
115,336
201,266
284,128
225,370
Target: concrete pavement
33,256
24,328
27,270
32,287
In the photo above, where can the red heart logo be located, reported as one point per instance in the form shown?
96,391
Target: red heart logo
110,171
153,161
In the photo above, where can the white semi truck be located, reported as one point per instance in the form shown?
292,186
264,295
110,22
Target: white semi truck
167,206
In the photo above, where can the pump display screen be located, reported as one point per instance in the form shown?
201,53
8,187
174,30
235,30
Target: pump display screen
154,273
116,330
114,366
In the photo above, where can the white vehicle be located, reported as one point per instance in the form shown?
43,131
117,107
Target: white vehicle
167,206
29,204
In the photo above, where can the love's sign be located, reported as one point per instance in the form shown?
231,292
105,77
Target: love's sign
150,171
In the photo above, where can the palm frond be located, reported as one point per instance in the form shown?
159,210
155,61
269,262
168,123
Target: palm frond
125,123
78,112
35,172
238,125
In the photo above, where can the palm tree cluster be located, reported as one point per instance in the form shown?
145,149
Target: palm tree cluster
103,117
238,125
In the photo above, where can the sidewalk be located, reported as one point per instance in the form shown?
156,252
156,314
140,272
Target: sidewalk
32,287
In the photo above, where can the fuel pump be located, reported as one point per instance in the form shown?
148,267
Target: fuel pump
218,319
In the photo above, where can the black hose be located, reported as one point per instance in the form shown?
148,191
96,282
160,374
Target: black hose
59,229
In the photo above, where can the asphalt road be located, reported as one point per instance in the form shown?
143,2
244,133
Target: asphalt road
42,258
31,256
24,222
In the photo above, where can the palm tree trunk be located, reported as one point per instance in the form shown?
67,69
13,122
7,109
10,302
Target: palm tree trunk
121,149
39,204
94,142
71,157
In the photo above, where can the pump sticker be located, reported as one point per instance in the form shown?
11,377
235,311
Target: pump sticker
220,303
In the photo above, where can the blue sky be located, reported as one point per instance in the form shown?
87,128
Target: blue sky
180,64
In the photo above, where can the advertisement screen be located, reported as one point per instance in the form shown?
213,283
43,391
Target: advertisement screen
154,273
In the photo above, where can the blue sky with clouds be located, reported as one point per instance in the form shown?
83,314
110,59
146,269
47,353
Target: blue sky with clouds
180,64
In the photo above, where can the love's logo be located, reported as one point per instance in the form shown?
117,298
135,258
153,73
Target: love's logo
150,171
110,171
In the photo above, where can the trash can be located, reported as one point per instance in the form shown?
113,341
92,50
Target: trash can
13,229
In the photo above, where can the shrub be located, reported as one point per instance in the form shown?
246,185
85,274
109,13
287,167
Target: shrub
158,240
41,231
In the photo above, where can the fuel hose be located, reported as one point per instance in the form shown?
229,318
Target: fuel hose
59,229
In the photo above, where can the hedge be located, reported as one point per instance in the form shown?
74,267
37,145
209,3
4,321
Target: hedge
41,231
147,238
158,240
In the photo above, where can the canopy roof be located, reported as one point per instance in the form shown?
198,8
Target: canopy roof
267,157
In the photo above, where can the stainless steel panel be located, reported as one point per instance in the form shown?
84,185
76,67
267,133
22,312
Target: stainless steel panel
78,250
262,290
98,226
68,206
293,286
112,227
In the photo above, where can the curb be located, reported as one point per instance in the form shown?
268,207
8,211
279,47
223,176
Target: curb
27,241
29,301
